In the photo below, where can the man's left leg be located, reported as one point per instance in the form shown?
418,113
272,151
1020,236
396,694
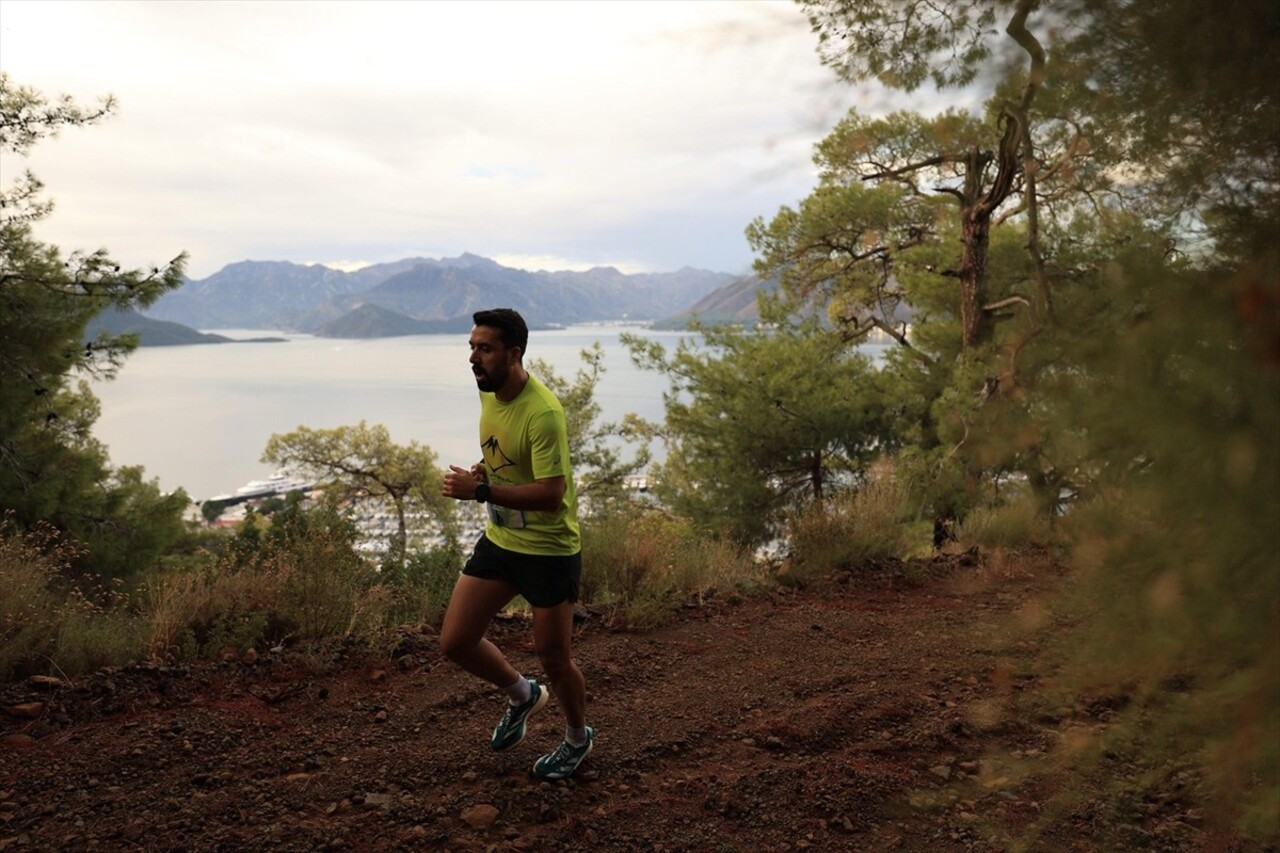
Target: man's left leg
553,641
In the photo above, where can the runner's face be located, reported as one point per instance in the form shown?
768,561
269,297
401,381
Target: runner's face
490,360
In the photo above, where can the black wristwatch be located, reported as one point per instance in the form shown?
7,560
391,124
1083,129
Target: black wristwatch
482,493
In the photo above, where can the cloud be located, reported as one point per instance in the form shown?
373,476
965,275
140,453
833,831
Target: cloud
624,133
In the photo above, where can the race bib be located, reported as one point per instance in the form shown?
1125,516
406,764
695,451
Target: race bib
503,517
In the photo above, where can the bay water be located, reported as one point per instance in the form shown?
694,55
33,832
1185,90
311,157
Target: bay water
198,417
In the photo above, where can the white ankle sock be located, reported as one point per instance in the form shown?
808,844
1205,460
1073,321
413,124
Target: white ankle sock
576,737
519,693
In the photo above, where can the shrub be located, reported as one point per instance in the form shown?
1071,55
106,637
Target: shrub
855,529
1018,523
221,605
47,623
26,602
302,579
647,563
427,583
1175,544
91,638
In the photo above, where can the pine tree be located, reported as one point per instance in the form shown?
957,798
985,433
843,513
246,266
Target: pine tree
51,467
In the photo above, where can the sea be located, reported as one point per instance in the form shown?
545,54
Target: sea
198,417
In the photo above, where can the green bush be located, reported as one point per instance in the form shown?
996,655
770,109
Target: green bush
195,614
27,605
88,641
299,578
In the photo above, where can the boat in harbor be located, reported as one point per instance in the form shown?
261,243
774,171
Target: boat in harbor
278,484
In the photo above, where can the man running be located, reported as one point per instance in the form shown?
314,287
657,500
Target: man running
531,545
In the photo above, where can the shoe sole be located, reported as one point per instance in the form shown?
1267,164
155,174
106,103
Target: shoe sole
591,744
543,696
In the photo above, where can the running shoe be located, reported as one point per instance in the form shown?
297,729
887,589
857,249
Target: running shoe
565,759
511,727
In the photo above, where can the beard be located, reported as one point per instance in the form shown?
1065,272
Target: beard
485,382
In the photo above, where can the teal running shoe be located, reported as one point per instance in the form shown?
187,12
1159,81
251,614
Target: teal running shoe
511,727
565,760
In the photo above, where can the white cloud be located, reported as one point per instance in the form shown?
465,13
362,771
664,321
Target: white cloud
534,263
637,134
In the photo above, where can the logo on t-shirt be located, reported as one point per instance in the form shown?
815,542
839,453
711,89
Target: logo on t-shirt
493,455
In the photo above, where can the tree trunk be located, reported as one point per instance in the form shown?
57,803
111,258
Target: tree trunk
400,544
975,236
815,475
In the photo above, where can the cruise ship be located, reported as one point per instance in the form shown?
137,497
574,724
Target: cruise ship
278,483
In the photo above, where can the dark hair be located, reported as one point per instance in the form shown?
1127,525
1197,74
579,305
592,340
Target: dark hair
510,325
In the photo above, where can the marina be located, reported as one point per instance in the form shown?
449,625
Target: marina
374,518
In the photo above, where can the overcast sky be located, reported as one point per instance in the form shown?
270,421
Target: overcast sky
546,135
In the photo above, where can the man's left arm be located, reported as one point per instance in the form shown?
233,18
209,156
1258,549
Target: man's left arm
543,495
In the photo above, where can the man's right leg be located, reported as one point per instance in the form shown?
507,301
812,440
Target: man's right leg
474,603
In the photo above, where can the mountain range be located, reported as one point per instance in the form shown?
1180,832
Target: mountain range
424,295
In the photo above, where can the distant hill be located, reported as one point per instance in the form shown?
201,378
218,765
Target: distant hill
152,333
294,297
374,321
734,302
439,292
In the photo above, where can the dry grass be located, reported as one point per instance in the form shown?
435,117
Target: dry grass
50,622
855,529
646,563
1017,524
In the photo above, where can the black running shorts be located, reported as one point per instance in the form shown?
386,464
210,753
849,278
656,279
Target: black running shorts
544,580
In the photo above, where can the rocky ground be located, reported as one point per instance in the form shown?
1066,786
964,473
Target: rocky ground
891,713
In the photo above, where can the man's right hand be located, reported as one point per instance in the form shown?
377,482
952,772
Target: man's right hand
459,484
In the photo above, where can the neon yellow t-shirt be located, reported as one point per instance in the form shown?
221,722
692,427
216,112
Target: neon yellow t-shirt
523,441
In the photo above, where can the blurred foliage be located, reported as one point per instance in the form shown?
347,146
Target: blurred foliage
1179,544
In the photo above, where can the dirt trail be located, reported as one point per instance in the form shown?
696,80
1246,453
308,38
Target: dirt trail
867,716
